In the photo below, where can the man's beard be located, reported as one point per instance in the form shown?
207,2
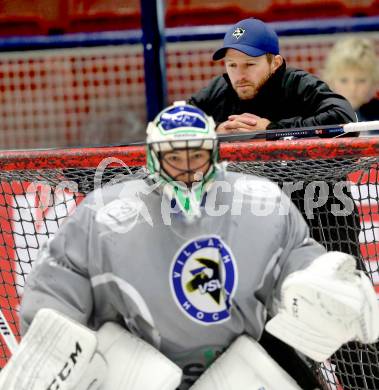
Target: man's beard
253,88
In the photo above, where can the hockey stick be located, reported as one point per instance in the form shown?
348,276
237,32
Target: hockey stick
7,334
328,131
298,132
303,132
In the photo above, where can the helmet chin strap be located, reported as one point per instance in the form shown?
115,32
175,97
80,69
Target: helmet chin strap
188,197
198,177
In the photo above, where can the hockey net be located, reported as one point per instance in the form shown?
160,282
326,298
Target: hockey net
39,189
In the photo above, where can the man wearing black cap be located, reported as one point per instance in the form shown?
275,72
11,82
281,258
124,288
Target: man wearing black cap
258,91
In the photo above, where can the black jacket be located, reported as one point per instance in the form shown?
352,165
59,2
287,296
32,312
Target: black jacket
290,98
369,111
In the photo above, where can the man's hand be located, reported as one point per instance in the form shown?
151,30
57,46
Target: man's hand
242,123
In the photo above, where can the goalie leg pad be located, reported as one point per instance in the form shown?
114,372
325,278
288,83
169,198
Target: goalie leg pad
245,365
133,363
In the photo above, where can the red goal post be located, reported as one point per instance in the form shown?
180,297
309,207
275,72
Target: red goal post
40,188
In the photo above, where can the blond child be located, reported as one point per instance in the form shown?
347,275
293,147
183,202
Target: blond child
352,70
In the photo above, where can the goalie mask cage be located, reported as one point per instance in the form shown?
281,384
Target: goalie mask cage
39,189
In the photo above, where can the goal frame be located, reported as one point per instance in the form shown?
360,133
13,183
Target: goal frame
300,149
18,163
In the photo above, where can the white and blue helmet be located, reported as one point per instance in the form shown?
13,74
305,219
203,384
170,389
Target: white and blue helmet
180,127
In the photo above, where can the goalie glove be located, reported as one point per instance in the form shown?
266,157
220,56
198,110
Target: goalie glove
326,305
245,365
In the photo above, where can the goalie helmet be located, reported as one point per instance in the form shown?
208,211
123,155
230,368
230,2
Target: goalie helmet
182,127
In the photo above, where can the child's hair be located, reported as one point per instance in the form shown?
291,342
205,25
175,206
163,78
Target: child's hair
352,53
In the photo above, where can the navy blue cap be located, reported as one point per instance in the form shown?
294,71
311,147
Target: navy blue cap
251,36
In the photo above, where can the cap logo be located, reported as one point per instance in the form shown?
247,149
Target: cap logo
238,32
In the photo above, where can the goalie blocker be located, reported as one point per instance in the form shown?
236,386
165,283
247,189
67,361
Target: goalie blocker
58,353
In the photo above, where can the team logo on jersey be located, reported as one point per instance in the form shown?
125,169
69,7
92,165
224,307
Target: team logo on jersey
122,215
238,32
203,278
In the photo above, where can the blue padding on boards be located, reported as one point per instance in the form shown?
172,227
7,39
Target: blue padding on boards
186,34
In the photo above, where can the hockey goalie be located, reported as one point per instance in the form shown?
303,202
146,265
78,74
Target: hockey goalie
170,281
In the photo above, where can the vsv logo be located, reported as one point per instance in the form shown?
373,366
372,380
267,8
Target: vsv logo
203,278
211,286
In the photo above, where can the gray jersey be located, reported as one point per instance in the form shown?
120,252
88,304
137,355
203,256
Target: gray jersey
187,287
